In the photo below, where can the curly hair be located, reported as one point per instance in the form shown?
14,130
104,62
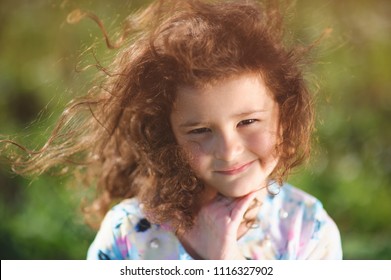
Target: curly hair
119,134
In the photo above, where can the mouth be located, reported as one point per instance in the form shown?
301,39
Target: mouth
235,169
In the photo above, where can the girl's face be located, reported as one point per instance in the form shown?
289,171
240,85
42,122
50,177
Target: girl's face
230,131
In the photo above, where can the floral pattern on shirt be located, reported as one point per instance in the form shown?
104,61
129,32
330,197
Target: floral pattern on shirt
293,225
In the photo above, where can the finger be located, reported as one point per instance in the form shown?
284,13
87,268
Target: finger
227,203
241,206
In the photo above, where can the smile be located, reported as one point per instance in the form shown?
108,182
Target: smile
236,169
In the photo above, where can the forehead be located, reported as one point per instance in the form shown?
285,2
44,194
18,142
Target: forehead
240,92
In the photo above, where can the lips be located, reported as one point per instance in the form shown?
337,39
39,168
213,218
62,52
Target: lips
235,169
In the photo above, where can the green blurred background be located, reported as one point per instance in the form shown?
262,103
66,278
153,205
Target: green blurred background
350,171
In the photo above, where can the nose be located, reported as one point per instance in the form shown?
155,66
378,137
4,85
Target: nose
228,146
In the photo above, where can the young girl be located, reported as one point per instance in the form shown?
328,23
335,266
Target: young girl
200,120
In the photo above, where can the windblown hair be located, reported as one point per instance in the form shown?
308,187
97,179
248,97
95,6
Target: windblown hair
120,131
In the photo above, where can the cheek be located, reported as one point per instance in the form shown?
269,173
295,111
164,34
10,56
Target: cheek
263,145
195,155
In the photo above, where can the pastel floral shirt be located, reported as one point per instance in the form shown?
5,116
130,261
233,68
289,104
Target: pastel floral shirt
293,225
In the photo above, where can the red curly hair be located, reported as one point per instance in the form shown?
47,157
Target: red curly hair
119,134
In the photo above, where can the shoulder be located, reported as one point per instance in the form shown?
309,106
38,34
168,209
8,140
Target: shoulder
292,194
294,202
111,239
125,233
128,212
304,226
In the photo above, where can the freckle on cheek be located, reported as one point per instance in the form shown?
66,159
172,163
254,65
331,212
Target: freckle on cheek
195,160
193,152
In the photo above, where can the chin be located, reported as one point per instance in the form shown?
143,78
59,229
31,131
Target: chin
239,191
238,187
253,185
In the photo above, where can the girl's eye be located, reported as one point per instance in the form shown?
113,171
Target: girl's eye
199,130
247,122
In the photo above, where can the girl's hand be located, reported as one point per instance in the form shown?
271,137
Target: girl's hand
215,232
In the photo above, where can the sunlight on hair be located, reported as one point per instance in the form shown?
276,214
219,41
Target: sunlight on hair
77,15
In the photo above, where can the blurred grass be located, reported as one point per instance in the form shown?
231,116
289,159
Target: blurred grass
351,168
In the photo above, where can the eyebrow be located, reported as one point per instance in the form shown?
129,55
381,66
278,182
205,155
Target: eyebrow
191,124
195,123
250,112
